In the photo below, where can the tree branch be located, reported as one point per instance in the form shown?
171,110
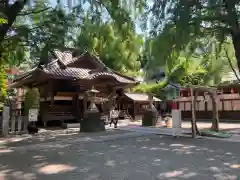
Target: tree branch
232,14
231,65
11,14
34,12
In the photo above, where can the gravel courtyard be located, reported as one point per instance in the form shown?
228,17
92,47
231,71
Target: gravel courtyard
147,157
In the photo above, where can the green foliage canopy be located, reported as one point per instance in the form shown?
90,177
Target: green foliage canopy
118,52
185,23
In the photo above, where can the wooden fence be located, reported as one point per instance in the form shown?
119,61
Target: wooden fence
228,107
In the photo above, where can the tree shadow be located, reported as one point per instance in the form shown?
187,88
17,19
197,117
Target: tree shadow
50,136
148,157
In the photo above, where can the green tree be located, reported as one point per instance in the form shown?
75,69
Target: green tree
114,8
191,20
119,52
50,29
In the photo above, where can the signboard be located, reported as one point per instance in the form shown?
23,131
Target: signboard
33,115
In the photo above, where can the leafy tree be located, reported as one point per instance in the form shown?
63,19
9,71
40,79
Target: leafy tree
50,29
191,20
31,100
119,52
204,66
114,8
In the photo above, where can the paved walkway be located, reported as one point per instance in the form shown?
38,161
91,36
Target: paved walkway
125,156
48,136
169,132
46,140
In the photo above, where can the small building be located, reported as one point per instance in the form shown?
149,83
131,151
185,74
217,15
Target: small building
136,103
64,79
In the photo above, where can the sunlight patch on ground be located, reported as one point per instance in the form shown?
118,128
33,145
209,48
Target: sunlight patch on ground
224,176
6,150
215,169
235,166
4,173
170,174
15,139
18,175
56,168
110,163
176,145
189,175
23,176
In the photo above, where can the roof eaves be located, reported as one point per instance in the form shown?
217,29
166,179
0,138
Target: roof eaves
127,77
25,74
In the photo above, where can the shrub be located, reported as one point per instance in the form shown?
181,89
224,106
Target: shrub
32,98
3,87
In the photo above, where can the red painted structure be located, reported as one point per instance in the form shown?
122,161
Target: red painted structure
11,73
228,104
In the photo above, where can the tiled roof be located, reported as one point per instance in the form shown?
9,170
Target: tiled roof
140,97
58,67
64,56
24,75
80,73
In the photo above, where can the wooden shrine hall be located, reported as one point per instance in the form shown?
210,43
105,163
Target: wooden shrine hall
64,79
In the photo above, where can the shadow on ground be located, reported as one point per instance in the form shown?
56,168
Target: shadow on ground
52,135
142,158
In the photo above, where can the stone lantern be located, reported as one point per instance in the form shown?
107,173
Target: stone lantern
92,121
150,116
92,97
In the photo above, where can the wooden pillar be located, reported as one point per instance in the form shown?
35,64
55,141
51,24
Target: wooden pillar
84,103
134,110
50,93
114,97
77,106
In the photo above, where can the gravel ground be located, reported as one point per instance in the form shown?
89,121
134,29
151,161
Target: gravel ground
148,157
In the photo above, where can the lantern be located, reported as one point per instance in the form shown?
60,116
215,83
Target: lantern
92,92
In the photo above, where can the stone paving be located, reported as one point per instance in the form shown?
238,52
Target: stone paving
123,156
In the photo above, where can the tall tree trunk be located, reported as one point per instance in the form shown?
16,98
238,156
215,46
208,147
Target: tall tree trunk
195,96
193,122
236,45
215,117
233,21
215,120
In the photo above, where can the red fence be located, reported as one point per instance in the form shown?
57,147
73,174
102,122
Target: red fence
228,107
